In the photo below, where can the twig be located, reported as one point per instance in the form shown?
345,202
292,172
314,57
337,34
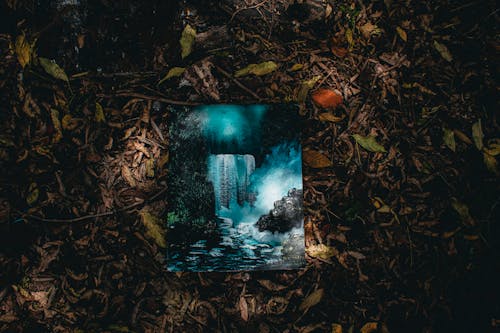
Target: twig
92,216
246,8
238,83
146,97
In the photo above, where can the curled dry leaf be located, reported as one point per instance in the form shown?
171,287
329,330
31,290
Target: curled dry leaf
54,116
327,98
23,50
315,159
311,300
305,87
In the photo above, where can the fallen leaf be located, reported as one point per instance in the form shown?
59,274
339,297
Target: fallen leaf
33,193
493,147
173,72
401,33
326,116
443,51
462,210
349,38
462,137
311,300
23,50
270,285
477,134
296,67
449,138
127,175
54,116
327,98
53,69
339,51
263,68
321,251
187,40
369,327
305,87
150,168
315,159
69,123
243,308
154,227
99,113
369,143
369,29
336,328
491,163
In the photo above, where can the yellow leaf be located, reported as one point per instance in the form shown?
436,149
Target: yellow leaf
154,228
187,40
305,87
321,251
443,51
349,38
370,327
477,134
54,116
33,194
69,123
23,50
173,72
326,116
99,113
311,300
150,167
53,69
401,33
449,138
315,159
257,69
296,67
369,143
336,328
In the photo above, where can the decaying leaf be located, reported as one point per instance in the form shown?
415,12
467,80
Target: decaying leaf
349,38
243,308
327,98
369,143
69,123
462,210
173,72
491,163
443,51
154,227
493,147
449,138
127,175
321,251
270,285
336,328
369,327
33,193
311,300
23,50
296,67
401,33
339,51
150,167
327,116
369,29
187,41
263,68
315,159
53,69
477,134
54,116
305,87
99,113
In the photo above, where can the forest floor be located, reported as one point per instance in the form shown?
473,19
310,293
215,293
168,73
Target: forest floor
401,177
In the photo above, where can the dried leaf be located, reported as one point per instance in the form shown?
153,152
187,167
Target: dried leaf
339,51
127,175
187,40
443,51
69,123
296,67
326,116
477,134
315,159
243,308
150,168
369,29
491,163
305,87
449,138
99,113
154,227
263,68
349,38
493,147
321,251
336,328
173,72
270,285
369,143
327,98
311,300
23,50
33,193
462,210
53,69
54,116
401,33
370,327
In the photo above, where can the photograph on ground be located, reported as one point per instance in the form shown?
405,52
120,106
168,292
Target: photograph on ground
235,180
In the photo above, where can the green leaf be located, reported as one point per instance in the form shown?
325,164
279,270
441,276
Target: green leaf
99,113
443,51
173,72
53,69
187,41
477,134
369,143
257,69
154,227
449,138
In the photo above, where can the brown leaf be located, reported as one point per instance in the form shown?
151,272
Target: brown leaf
311,300
339,51
326,116
243,308
327,98
369,327
127,175
270,285
315,159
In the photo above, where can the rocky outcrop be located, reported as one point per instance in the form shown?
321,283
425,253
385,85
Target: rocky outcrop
286,214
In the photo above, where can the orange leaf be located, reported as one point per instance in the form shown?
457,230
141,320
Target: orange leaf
327,98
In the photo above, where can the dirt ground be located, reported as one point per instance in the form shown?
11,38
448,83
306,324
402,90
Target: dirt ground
401,178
